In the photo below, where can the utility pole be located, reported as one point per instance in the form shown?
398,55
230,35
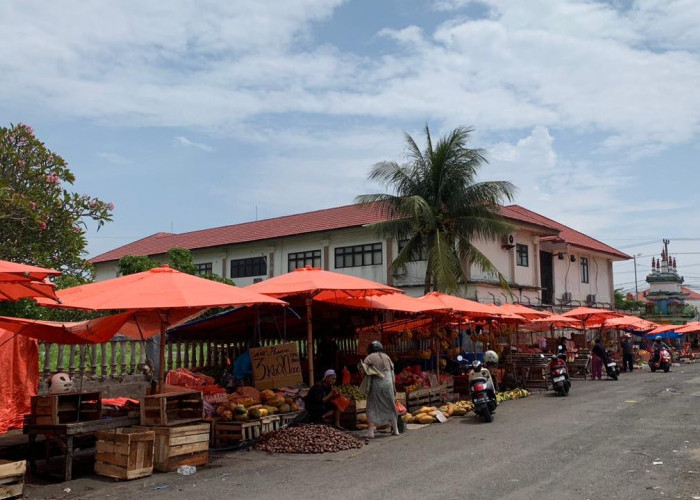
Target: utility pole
636,290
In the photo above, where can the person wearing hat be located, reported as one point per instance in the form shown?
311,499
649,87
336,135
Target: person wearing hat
319,403
381,398
627,353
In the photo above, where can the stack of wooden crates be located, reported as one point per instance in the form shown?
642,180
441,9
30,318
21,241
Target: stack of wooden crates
181,435
12,479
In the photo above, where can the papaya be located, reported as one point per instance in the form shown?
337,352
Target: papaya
285,408
271,410
254,413
240,410
294,407
241,418
425,409
227,415
263,412
459,411
267,394
425,419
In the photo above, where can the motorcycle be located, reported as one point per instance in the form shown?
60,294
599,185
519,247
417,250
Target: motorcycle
483,394
611,368
560,376
663,363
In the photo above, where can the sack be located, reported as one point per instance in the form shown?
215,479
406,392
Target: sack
365,385
341,402
400,409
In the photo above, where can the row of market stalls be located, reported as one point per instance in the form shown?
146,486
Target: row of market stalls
285,324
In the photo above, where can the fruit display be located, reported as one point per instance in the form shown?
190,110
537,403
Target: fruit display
241,408
514,394
307,439
351,392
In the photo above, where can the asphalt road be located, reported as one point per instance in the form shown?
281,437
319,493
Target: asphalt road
636,438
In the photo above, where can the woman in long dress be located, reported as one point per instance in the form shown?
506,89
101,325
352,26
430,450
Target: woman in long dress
381,398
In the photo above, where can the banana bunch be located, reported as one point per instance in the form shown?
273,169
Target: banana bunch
514,394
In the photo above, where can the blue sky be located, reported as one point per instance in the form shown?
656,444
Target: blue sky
190,115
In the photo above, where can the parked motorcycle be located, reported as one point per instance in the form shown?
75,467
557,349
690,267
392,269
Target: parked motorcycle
482,392
663,363
611,368
560,376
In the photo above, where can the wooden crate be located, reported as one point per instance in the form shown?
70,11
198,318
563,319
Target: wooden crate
349,418
124,453
12,479
229,433
186,444
286,418
172,408
66,408
269,424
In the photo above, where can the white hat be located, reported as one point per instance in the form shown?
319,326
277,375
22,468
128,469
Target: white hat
328,373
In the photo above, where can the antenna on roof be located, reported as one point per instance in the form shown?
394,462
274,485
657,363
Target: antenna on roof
256,212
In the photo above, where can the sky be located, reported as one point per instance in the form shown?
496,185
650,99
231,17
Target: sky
191,115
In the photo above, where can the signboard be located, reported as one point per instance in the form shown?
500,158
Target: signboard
433,380
365,338
275,366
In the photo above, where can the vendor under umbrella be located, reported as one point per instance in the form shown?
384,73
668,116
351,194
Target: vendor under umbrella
319,401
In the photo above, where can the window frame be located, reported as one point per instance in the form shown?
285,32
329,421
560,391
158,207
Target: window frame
366,254
204,268
522,258
248,266
585,270
306,260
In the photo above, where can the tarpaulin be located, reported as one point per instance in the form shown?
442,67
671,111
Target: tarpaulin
19,378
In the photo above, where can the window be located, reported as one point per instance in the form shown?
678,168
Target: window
584,270
423,253
302,259
253,266
358,255
521,255
205,268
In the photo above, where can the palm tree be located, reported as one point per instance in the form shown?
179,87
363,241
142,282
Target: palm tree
438,208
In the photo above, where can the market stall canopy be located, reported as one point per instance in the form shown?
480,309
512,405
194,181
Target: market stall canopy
466,307
627,322
163,291
137,325
320,285
21,281
558,321
692,327
317,284
662,329
523,311
394,302
590,316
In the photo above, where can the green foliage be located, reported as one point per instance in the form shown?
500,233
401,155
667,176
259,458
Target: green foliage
131,264
437,208
181,259
622,304
42,221
215,277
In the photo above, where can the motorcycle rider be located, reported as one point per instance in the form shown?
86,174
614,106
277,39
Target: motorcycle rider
478,370
656,346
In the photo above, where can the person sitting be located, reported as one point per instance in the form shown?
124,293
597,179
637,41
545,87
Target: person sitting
656,348
319,403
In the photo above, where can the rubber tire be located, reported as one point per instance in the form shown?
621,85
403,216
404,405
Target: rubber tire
488,418
613,376
667,368
652,368
566,390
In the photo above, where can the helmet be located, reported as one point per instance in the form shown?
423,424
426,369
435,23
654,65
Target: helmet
554,358
657,338
490,357
60,382
375,346
477,365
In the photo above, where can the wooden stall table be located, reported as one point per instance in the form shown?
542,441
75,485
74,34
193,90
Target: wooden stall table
64,434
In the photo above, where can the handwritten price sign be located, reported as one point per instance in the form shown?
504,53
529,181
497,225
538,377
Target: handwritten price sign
276,366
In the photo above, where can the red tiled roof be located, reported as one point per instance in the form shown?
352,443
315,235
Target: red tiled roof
330,219
566,234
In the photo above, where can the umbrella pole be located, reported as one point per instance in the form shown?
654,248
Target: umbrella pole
161,358
309,341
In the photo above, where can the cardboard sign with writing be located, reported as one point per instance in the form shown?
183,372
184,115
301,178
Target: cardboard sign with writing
365,338
432,378
276,366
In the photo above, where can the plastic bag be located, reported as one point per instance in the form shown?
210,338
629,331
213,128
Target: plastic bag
400,408
341,402
346,376
365,385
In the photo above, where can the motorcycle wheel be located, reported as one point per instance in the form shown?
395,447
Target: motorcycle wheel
667,367
613,376
487,415
566,390
653,368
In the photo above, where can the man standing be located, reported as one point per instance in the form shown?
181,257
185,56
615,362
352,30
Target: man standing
627,354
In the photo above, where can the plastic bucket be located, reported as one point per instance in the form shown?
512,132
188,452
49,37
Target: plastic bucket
400,424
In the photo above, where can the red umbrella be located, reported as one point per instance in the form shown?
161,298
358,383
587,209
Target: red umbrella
394,302
466,307
163,291
20,281
316,284
591,315
662,329
523,311
692,327
630,322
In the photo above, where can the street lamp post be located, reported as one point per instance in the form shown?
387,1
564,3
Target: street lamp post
636,290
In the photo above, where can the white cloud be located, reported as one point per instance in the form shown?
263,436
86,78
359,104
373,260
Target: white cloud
114,158
184,141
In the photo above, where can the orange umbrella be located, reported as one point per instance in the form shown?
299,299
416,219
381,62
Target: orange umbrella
590,315
663,329
166,293
316,284
523,311
459,305
692,327
630,323
558,321
394,302
20,281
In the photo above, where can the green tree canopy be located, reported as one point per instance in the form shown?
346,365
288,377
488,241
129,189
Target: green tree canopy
42,221
437,207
